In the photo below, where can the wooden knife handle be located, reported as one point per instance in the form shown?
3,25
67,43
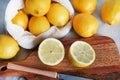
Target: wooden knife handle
32,70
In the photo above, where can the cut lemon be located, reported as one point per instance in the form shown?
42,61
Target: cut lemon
51,51
81,54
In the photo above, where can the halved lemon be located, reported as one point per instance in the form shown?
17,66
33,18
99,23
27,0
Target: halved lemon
81,54
51,51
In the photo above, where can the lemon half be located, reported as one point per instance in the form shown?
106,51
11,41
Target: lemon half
81,54
51,51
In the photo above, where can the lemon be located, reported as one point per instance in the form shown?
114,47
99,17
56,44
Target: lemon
58,15
51,51
37,7
21,19
38,25
8,47
110,11
85,6
81,54
85,25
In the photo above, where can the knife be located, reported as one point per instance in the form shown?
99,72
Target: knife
44,73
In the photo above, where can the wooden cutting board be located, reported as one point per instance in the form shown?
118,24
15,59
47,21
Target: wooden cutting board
105,67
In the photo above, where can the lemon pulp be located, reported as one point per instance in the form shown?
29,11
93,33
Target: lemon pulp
51,51
81,54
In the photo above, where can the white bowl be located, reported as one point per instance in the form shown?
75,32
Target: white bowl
26,39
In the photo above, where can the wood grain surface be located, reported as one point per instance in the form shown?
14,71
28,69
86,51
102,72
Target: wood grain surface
105,67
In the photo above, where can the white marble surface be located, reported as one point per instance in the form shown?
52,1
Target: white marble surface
104,30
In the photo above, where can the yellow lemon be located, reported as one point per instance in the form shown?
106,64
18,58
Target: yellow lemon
110,11
85,6
8,47
38,25
85,25
21,19
37,7
81,54
51,51
58,15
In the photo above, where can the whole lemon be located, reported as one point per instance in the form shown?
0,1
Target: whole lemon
8,47
37,7
21,19
58,15
38,25
85,25
85,6
110,11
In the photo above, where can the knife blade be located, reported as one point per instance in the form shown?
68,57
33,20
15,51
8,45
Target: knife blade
44,73
70,77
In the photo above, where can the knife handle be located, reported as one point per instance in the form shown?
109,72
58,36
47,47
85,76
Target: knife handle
32,70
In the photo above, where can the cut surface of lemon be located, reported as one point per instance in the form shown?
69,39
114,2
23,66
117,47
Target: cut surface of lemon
51,51
81,54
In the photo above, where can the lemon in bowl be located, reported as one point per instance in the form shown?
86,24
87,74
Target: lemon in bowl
21,19
38,25
58,15
37,7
